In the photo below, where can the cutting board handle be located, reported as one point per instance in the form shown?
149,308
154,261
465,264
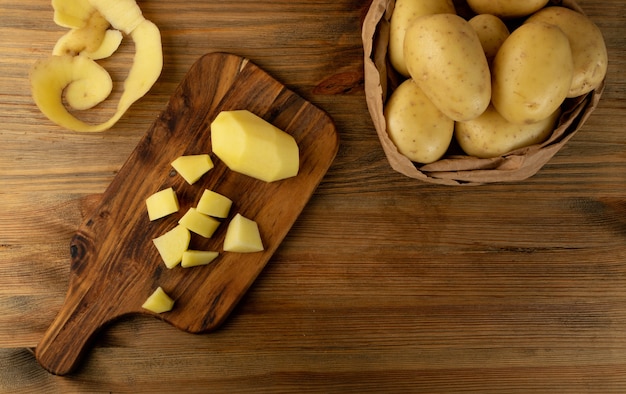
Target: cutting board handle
89,305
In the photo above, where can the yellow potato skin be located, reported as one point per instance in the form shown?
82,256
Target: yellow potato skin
404,12
531,73
492,32
445,58
417,128
587,44
506,8
490,135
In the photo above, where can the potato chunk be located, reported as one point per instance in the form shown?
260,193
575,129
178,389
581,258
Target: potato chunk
172,245
193,258
214,204
242,235
249,145
199,223
162,203
158,301
192,167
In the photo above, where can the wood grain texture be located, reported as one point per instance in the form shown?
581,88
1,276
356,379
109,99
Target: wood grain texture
383,284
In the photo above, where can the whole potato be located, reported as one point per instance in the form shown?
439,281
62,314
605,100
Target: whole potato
588,48
445,58
531,73
404,12
416,127
506,8
491,135
492,32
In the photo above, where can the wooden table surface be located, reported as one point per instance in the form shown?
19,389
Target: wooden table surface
384,284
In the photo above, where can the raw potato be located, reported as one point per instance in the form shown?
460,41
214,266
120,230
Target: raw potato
242,236
446,59
199,223
249,145
586,42
162,203
158,301
214,204
506,8
418,129
194,258
492,32
532,73
404,12
172,245
50,77
192,167
491,135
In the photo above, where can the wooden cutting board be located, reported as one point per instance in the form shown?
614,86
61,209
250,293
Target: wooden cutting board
114,264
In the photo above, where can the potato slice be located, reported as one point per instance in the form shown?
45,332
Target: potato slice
158,301
172,245
199,223
242,236
252,146
192,167
194,258
162,203
214,204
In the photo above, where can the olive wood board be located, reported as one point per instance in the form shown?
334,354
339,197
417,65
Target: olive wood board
114,265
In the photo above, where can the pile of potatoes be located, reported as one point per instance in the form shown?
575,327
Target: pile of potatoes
495,82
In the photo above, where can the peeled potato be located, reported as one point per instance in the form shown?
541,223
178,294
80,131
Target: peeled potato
250,145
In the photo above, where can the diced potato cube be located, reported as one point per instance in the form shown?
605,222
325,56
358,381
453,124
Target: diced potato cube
162,203
242,235
192,258
158,302
249,145
199,223
214,204
192,167
172,244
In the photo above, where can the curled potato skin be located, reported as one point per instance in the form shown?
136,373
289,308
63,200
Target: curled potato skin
51,76
71,72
